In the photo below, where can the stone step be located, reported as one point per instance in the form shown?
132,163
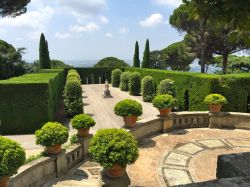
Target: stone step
82,183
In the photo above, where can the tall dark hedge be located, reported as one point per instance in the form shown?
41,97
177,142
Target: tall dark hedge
135,84
137,62
44,58
146,56
26,105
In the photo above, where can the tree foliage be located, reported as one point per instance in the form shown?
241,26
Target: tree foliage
11,62
146,56
13,7
44,58
136,56
111,62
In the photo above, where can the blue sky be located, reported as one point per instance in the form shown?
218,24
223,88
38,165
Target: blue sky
91,29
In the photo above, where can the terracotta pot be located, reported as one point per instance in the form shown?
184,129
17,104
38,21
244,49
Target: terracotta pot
215,108
82,132
54,150
130,121
116,171
165,111
4,181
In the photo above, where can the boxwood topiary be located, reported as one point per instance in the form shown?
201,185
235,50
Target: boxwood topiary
215,99
52,134
116,77
82,121
164,101
113,146
135,84
148,88
166,86
12,156
128,107
124,84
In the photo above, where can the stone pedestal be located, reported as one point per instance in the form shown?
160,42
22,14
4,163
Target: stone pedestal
107,94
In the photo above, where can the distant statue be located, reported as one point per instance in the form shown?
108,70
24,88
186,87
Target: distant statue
107,93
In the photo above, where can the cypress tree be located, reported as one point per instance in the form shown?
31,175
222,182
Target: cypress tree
146,60
44,53
136,56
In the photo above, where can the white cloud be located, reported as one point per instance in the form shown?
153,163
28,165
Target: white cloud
89,27
62,35
123,30
152,21
33,20
104,19
173,3
82,8
109,35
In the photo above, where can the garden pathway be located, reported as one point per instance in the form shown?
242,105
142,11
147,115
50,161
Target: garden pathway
101,109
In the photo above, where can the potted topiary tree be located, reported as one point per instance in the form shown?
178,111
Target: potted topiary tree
82,123
215,102
52,136
129,110
114,149
164,103
12,156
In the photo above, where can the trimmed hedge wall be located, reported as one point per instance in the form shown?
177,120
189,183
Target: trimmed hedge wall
93,74
192,88
29,101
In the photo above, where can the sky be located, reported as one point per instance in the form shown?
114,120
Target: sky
92,29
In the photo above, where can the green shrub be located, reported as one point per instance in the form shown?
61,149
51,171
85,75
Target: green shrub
124,84
72,73
32,98
113,146
12,156
135,84
73,94
52,134
148,90
128,107
73,139
164,101
215,99
116,77
167,86
82,121
35,157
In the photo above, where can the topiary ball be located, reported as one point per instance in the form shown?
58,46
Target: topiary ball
52,134
12,156
166,86
128,107
113,146
82,121
215,99
164,101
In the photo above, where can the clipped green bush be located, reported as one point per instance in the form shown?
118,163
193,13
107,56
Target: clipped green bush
82,121
167,86
148,90
135,84
116,77
215,99
12,156
52,134
113,146
73,139
73,94
164,101
128,107
124,84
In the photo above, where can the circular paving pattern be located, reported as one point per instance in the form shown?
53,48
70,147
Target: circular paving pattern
174,167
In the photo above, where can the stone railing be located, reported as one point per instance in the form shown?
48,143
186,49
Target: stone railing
44,169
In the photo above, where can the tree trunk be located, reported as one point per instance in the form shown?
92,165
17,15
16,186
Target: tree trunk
225,60
202,45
